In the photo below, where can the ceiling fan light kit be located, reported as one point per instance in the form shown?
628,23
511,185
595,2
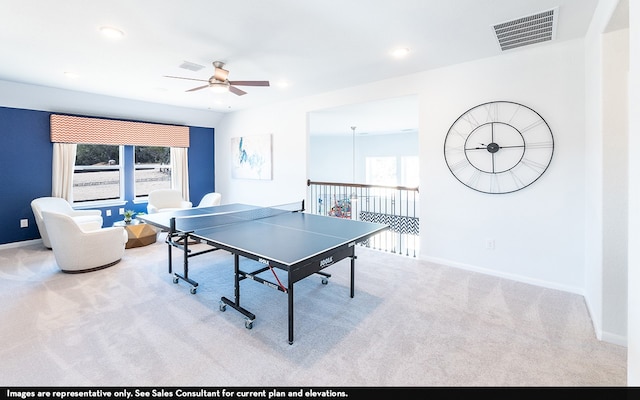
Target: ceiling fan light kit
219,87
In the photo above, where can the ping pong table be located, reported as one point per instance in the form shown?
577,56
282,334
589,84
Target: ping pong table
282,237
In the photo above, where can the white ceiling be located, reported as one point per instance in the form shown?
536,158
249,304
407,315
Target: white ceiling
315,46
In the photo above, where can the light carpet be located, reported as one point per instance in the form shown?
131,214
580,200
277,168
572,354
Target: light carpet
411,323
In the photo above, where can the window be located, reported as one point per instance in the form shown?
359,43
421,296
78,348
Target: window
383,171
153,169
97,172
410,171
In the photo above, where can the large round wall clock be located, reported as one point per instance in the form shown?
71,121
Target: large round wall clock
498,147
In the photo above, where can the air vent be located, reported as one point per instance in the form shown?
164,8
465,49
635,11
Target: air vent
532,29
191,66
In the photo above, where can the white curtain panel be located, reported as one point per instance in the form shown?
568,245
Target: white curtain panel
64,159
180,170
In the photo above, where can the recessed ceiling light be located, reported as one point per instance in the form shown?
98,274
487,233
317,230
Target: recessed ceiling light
400,52
111,32
71,75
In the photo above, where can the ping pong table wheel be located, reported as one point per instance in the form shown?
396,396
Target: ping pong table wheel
325,281
175,280
193,290
248,323
222,306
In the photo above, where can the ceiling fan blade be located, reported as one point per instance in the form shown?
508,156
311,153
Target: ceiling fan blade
198,88
250,83
237,91
189,79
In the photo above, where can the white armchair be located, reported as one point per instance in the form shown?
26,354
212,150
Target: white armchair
82,250
166,200
210,199
87,219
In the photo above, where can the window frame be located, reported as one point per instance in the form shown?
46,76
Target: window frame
135,196
121,199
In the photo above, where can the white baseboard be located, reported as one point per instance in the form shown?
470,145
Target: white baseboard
20,244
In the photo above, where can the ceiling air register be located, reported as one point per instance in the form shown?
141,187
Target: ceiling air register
532,29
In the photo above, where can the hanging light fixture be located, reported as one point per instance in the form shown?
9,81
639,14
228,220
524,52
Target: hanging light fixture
353,196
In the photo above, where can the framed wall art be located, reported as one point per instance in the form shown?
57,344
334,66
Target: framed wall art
251,157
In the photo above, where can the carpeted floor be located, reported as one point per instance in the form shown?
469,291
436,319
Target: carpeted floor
411,323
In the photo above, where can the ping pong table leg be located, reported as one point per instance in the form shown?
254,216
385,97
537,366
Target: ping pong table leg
236,303
290,296
169,247
353,273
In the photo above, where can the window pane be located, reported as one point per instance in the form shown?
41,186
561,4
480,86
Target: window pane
381,171
96,174
153,169
410,176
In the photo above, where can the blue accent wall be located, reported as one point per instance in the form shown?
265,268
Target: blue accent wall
25,170
201,163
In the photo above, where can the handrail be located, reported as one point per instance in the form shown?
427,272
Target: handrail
396,206
362,185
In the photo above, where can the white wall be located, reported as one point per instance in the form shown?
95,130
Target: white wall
537,231
633,301
605,137
615,182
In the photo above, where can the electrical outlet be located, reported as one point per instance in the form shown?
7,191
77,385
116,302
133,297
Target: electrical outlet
24,223
108,212
121,211
491,244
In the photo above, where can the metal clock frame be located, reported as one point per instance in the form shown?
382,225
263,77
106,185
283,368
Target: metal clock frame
498,147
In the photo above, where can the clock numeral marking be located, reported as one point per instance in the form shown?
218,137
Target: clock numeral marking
534,165
474,179
532,125
471,120
492,112
454,149
516,180
462,136
515,112
540,145
494,184
459,165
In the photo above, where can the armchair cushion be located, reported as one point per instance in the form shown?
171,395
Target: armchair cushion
166,200
78,249
88,219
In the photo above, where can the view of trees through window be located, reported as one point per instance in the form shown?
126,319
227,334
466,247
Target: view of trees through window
98,171
153,169
96,174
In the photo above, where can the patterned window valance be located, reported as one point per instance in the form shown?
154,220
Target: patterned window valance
70,129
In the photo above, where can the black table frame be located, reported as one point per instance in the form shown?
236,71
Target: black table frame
295,272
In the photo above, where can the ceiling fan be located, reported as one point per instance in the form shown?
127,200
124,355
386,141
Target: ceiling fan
219,82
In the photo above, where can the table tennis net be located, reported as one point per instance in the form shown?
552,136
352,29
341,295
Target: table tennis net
202,221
